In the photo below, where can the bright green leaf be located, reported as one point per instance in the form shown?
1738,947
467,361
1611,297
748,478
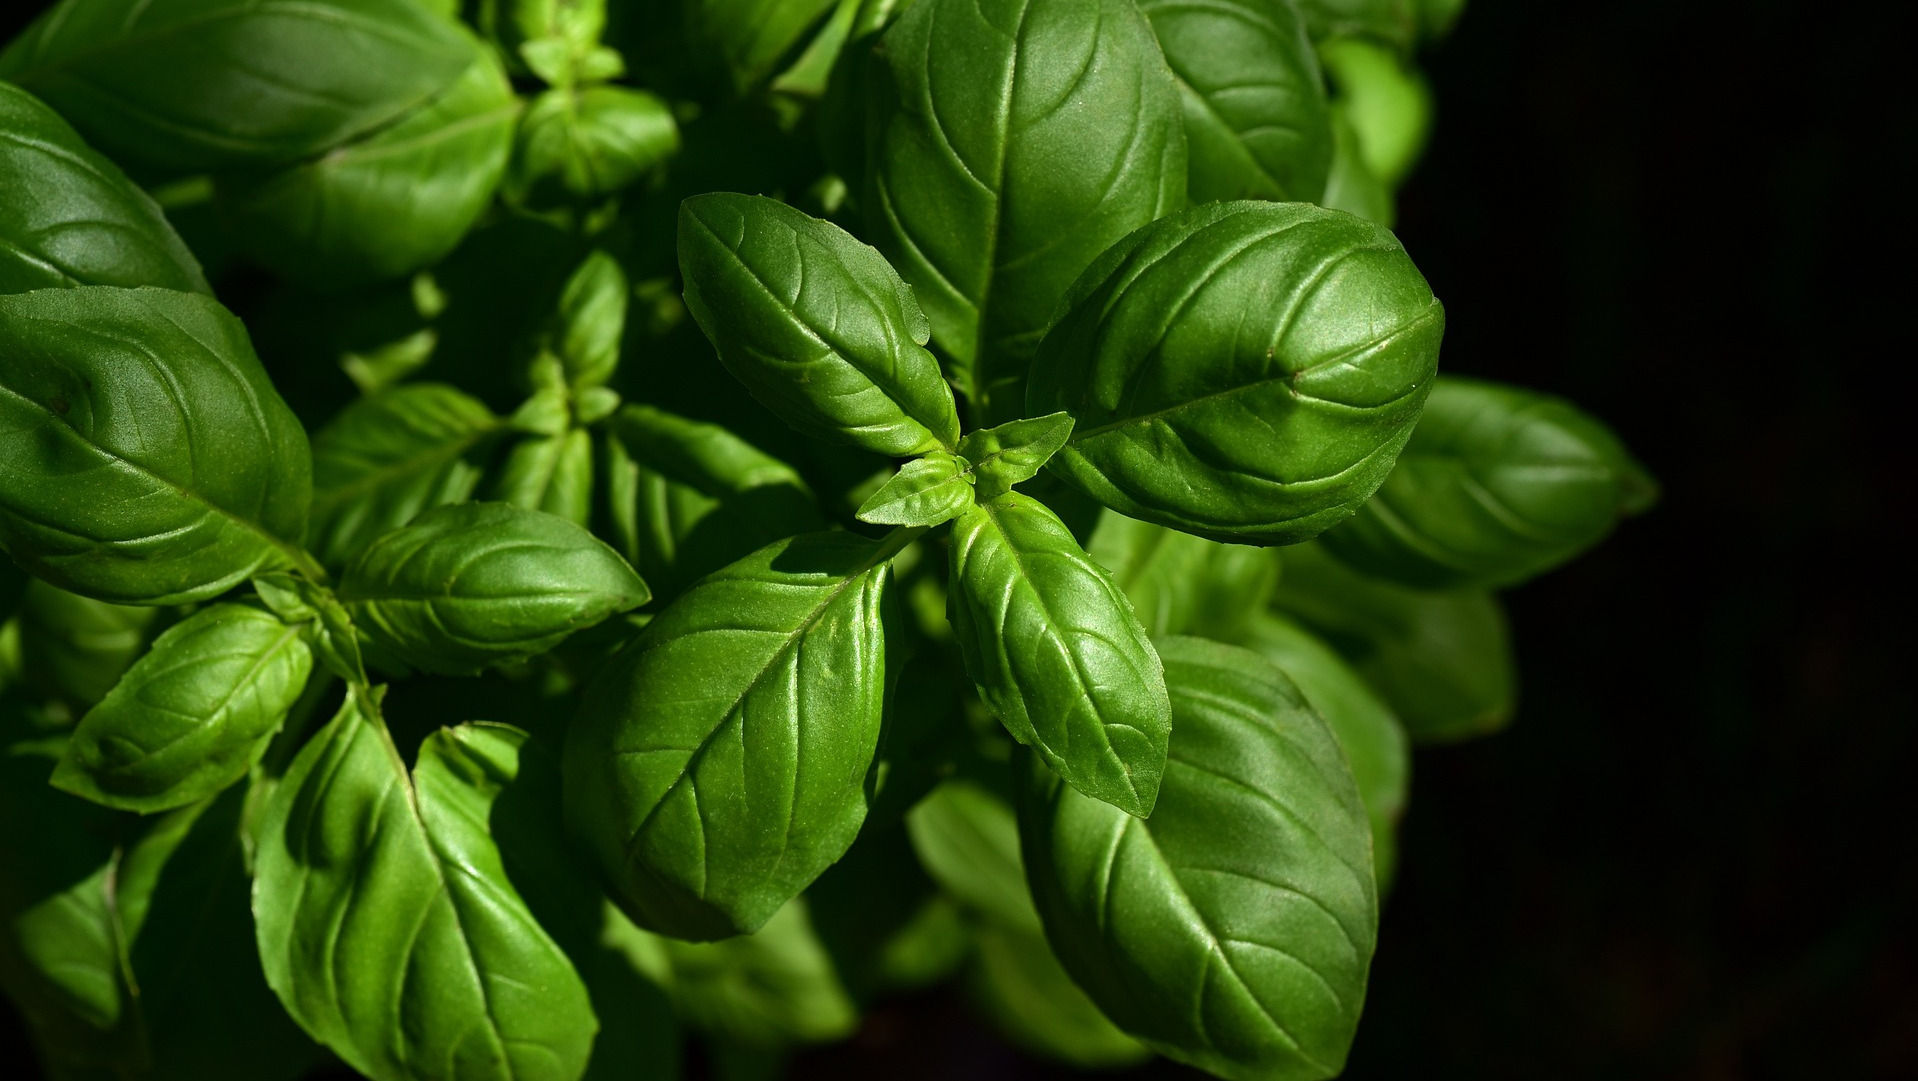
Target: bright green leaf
1244,371
1234,928
816,324
478,584
190,717
967,839
144,455
588,143
1056,651
1013,141
720,762
1179,583
1013,452
551,473
925,492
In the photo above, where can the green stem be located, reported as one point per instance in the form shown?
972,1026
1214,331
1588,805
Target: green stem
895,542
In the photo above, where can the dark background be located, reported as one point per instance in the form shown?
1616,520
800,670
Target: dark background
1690,856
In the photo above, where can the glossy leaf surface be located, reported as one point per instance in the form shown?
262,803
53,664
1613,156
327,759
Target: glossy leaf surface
389,929
1256,121
86,223
1497,484
388,457
1244,371
1013,452
816,324
720,762
331,219
476,584
144,455
1233,929
272,80
551,473
1056,651
192,715
1366,727
925,492
1013,141
1441,659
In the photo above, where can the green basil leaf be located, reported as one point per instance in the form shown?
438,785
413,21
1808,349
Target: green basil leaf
720,762
767,990
1179,583
816,324
478,584
1014,452
329,220
690,497
552,473
388,457
1244,371
967,839
840,116
748,39
190,717
1056,651
1394,22
74,648
63,939
271,80
588,143
1441,660
591,320
1018,983
144,455
387,925
1365,726
1496,485
1257,125
925,492
1012,142
1233,929
87,224
1386,101
1351,186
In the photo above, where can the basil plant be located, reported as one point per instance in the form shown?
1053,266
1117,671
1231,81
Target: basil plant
539,530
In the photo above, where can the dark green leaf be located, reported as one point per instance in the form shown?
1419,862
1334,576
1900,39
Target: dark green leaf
1013,141
1018,983
477,584
551,473
1244,371
1496,485
1056,651
1014,452
1256,121
720,762
887,927
1182,584
331,219
1365,726
389,457
925,492
816,324
591,320
967,839
144,455
190,717
387,925
74,648
1441,660
588,143
86,223
747,39
765,991
689,497
195,85
1234,928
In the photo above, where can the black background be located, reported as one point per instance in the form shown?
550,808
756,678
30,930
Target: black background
1690,856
